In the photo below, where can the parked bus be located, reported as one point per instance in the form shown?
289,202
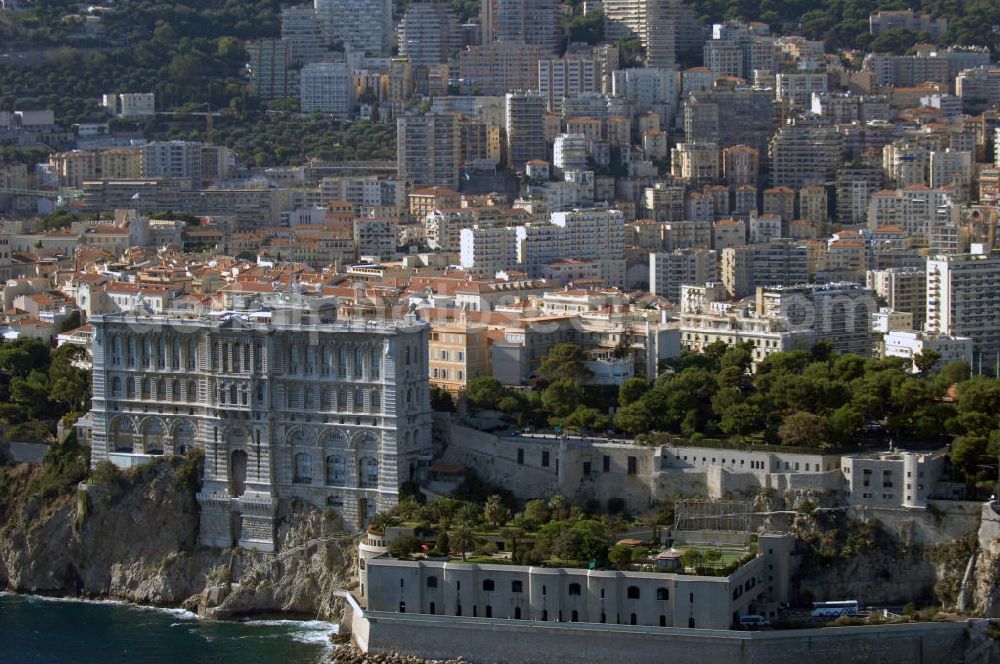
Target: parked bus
835,609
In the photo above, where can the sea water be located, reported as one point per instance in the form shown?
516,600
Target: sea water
42,630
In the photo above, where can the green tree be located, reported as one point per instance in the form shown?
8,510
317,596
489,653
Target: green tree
495,512
967,452
584,417
741,419
632,390
69,385
464,539
404,545
844,422
485,392
536,511
561,397
803,429
620,556
925,361
564,361
978,394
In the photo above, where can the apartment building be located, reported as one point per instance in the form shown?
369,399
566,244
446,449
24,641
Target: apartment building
525,125
328,88
271,74
962,300
902,289
429,33
569,76
669,271
532,22
728,117
744,269
497,68
362,26
654,22
805,152
459,352
908,344
427,149
796,89
836,312
696,163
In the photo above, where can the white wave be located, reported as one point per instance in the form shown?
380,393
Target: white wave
303,631
183,614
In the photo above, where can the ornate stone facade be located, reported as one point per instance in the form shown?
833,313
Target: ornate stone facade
287,404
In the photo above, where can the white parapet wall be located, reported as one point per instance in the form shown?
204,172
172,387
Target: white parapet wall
482,640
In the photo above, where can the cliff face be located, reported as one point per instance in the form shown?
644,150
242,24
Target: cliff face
987,572
892,559
135,538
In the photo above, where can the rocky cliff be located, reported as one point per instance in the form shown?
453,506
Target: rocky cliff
133,536
987,571
888,558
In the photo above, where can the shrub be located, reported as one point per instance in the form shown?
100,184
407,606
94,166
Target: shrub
106,474
404,546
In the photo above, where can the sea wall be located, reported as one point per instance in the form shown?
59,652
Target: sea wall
512,642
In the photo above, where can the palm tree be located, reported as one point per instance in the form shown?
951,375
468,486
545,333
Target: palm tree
464,539
495,512
381,521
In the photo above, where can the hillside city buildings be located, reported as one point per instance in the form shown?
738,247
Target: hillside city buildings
722,185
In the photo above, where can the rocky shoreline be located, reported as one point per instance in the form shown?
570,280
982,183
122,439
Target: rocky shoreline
135,540
352,655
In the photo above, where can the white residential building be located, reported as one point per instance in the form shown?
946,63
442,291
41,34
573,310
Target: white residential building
963,300
327,87
908,344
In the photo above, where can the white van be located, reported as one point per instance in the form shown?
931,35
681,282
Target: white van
751,621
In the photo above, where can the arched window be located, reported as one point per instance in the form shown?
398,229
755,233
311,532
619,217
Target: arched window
237,473
432,582
129,387
232,394
488,585
146,388
375,401
342,400
662,594
359,401
192,355
161,389
183,437
327,360
123,435
192,394
175,390
342,361
116,386
368,472
574,589
336,470
375,364
303,468
152,437
633,592
359,361
516,586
